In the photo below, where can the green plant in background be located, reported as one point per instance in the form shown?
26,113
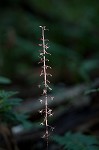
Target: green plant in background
91,91
77,141
4,80
8,102
9,116
7,113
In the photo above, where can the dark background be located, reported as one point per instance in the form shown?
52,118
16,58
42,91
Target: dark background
74,46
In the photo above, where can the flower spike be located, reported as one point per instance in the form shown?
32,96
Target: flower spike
46,111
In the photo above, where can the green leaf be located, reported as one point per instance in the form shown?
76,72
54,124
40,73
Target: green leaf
14,101
4,80
7,94
77,141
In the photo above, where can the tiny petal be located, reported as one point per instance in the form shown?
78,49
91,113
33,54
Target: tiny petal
41,101
40,111
42,123
44,91
39,85
50,115
52,98
49,88
43,136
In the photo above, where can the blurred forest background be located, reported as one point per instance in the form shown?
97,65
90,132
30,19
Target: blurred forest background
74,46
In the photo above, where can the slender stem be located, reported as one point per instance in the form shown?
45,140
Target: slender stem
45,88
47,111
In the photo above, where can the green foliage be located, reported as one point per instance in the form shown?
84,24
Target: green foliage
77,141
91,91
4,80
7,112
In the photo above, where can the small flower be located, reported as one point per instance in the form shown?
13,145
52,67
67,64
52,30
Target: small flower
49,88
48,81
43,136
41,54
52,98
41,101
46,59
49,112
39,85
46,46
40,111
41,73
50,115
40,44
42,123
48,74
44,91
48,67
